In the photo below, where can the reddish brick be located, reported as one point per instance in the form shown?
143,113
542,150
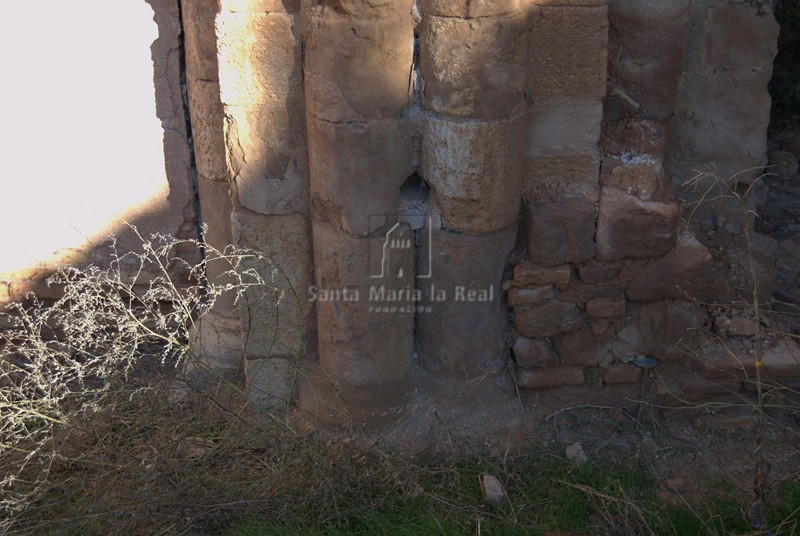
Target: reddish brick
606,308
528,296
531,275
595,272
550,318
531,353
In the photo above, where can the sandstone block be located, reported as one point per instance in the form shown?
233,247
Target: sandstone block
261,6
683,272
725,360
475,169
271,382
218,347
644,180
630,227
561,230
463,299
544,171
567,53
528,296
601,327
356,171
550,377
712,125
200,40
619,105
740,37
531,353
208,130
613,395
474,67
548,319
276,313
17,290
566,125
268,156
606,308
527,274
595,273
215,209
634,141
578,3
361,9
471,9
645,51
579,348
358,69
629,343
737,326
336,403
260,59
365,304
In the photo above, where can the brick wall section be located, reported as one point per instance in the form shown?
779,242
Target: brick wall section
607,279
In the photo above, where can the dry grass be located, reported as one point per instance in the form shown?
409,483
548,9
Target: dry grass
96,443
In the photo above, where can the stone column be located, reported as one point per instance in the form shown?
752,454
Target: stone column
472,61
261,87
218,342
646,42
729,53
358,66
244,65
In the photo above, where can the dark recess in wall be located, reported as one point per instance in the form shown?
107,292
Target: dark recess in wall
785,84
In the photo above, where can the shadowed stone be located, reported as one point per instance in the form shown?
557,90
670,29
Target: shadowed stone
629,227
549,319
681,273
474,67
463,333
561,230
364,298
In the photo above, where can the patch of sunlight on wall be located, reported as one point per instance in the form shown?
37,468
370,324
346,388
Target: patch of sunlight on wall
80,143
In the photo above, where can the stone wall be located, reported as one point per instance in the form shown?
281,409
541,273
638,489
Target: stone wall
452,192
488,187
485,185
